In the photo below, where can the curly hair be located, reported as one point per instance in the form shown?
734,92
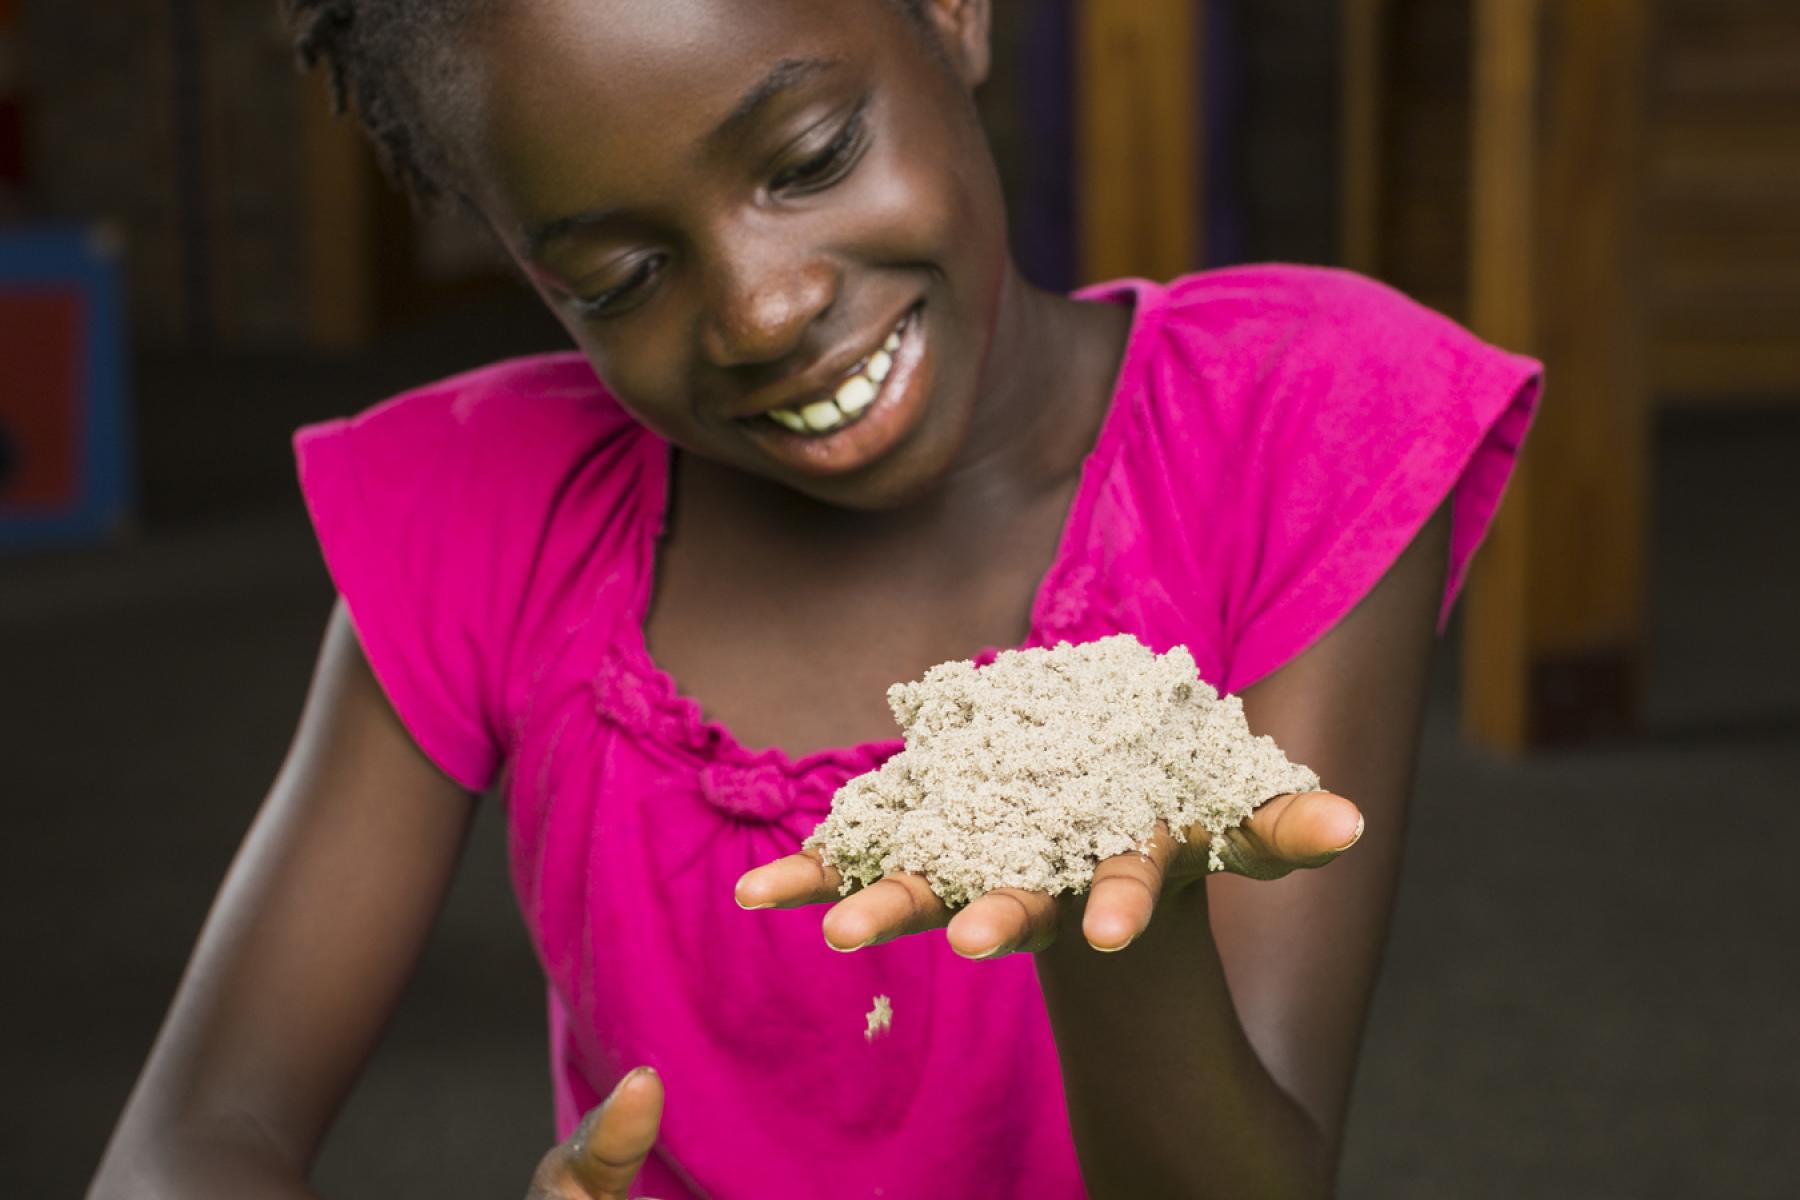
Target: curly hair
379,56
388,62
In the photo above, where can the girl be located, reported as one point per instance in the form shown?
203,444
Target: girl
818,435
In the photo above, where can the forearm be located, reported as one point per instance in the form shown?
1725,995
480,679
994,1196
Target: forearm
1166,1096
196,1165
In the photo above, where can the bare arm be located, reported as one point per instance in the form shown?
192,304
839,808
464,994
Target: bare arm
310,943
1302,953
1214,1057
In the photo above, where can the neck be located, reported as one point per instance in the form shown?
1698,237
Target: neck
1045,389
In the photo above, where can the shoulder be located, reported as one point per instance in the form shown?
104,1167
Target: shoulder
460,518
500,447
1305,422
545,404
1258,316
1240,349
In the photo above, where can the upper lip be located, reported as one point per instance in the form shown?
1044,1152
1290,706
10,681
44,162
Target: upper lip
820,383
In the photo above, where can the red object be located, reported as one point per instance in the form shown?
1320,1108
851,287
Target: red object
41,347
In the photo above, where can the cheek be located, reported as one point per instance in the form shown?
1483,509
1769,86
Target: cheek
638,377
646,374
928,198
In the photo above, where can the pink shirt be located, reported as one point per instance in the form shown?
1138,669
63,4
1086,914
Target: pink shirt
1277,437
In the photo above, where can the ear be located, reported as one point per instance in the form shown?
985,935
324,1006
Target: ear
963,27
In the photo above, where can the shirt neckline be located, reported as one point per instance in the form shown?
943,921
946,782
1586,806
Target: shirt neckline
1048,606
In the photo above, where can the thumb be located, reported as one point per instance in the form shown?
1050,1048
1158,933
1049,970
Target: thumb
1308,829
615,1138
1290,832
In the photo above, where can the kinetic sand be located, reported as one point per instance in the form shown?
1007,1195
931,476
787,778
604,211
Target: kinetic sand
1029,771
880,1018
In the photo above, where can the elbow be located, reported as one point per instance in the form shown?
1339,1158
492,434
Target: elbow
1301,1164
170,1164
1201,1181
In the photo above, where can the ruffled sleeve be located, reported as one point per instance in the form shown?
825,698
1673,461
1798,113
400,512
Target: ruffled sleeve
1357,413
433,512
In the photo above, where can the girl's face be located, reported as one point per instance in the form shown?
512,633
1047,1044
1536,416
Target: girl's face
757,215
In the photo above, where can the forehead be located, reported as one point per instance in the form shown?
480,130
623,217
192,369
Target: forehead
574,94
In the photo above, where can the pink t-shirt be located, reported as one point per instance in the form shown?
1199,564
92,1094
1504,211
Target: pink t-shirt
1277,437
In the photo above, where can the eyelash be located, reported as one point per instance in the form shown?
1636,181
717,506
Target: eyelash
816,174
828,166
594,307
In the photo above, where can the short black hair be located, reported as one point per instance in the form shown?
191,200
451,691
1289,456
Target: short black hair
388,62
376,55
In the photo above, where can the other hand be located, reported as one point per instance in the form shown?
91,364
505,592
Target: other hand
1287,833
602,1157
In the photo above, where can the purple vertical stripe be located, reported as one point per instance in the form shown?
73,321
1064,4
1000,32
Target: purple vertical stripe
1043,218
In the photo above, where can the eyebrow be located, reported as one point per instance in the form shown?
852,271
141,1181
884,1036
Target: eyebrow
784,76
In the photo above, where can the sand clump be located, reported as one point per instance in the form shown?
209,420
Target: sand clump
1027,772
880,1018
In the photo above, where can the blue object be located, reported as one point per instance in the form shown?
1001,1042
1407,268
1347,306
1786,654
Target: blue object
83,262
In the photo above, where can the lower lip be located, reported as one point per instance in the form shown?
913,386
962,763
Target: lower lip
892,415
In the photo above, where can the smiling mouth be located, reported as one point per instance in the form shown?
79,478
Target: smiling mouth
854,396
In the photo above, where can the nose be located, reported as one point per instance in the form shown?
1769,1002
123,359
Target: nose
762,301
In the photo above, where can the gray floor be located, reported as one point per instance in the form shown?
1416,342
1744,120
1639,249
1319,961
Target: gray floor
1589,990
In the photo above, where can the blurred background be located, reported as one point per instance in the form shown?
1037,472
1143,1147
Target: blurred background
1588,990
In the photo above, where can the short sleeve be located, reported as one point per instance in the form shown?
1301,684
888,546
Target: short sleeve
432,512
1368,412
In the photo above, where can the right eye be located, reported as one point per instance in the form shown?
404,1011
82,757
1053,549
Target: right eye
624,296
829,163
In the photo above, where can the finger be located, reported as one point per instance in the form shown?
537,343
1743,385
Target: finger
1126,889
1300,830
888,908
790,882
1004,921
615,1138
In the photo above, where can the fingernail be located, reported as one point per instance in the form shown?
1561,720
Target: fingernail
1354,838
630,1075
1114,949
752,907
849,949
994,952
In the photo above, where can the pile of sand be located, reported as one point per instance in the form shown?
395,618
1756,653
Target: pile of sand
1027,772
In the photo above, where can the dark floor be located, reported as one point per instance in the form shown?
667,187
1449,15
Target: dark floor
1590,986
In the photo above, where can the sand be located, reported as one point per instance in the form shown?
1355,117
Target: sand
1026,773
880,1018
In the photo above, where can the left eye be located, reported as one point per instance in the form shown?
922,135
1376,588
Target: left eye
829,165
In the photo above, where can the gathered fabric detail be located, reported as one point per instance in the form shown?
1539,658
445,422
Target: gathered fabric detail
636,695
634,701
757,791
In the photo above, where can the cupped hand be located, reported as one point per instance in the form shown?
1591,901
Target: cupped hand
1288,833
602,1157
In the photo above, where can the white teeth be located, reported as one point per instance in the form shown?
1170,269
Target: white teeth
822,416
853,395
856,395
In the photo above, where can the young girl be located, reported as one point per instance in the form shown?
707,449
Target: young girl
818,436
